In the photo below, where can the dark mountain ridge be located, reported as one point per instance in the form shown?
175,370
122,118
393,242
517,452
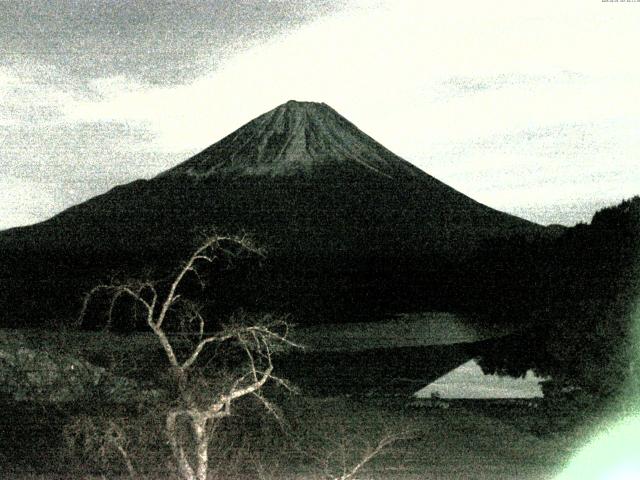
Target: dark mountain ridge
341,218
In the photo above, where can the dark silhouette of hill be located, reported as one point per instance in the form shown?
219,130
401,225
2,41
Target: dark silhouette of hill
578,294
349,228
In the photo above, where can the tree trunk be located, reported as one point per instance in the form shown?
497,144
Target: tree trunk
185,471
202,447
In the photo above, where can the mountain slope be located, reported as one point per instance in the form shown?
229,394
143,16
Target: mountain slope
295,138
342,219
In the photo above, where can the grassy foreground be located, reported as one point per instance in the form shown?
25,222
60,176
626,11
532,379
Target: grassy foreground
467,440
321,437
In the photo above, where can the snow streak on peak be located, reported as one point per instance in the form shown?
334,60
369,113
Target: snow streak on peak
295,138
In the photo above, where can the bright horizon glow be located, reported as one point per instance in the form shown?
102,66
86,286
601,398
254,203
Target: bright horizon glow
611,455
612,452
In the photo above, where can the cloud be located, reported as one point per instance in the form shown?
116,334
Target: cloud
154,41
48,164
24,202
458,86
397,62
573,167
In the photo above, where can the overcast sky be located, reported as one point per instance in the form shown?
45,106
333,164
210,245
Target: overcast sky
529,107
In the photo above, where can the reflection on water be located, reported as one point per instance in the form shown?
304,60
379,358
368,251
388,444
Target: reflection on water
468,381
411,330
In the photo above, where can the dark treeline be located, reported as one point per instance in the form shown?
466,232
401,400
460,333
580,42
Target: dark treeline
568,291
574,296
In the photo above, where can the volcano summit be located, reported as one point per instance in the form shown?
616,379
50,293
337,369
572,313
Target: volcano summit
296,138
341,218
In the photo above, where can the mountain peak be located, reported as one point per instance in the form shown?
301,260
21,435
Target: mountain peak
301,110
302,105
295,138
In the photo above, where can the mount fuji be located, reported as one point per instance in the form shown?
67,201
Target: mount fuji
341,219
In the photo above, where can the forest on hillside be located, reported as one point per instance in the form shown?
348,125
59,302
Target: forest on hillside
576,296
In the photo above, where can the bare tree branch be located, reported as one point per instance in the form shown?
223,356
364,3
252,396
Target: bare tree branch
188,267
369,455
203,343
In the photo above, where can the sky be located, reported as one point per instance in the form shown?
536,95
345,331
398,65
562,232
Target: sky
529,107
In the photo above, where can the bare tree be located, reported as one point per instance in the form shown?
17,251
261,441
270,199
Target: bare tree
201,403
104,436
344,461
